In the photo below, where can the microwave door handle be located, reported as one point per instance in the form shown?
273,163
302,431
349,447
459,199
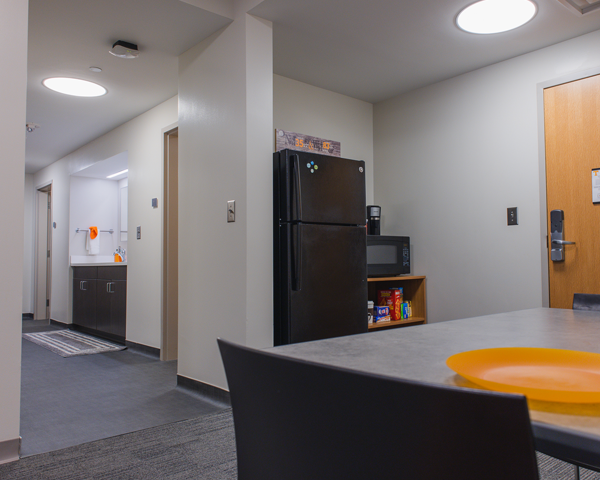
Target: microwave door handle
297,260
297,186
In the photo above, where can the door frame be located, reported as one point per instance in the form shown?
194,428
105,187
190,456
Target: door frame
169,321
544,246
45,188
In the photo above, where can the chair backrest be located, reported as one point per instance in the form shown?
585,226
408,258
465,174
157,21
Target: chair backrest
301,420
586,301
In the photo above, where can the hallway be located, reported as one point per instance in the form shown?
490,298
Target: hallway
70,401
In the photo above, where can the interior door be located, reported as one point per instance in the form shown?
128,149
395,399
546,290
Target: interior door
40,311
572,131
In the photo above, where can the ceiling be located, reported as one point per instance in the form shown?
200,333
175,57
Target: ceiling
378,49
66,37
368,50
109,166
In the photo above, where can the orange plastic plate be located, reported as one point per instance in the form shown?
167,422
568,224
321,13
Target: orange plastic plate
539,373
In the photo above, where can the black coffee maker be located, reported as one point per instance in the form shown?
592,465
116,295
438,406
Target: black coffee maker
373,220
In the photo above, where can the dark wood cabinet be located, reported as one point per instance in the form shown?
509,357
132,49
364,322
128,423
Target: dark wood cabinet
84,302
100,300
111,297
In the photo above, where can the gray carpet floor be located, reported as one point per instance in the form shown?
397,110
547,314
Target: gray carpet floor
200,448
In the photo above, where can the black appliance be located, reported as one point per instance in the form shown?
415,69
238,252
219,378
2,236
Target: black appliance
373,220
320,267
388,255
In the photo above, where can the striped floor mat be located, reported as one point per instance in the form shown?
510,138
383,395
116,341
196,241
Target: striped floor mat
68,343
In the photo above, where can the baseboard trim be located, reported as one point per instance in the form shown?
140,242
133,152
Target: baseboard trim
10,450
145,349
97,333
28,316
56,323
210,392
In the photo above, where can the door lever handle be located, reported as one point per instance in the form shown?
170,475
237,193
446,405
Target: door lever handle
562,242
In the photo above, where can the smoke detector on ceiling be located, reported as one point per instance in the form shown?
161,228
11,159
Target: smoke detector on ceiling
581,7
123,49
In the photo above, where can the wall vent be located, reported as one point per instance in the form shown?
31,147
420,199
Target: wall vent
581,7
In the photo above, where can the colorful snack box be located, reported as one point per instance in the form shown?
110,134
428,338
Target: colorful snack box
392,298
405,311
382,314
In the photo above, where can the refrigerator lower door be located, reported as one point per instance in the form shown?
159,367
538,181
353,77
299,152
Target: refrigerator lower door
327,282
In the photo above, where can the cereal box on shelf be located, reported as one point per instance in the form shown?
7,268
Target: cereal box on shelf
392,298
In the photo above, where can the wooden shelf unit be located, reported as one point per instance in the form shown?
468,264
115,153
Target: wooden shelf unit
413,290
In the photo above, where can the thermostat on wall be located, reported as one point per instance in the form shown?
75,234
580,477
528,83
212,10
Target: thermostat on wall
155,203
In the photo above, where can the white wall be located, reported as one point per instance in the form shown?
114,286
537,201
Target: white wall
123,236
13,81
94,202
302,108
225,153
450,158
142,139
28,243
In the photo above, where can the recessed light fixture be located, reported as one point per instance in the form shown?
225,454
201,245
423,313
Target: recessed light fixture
96,69
74,86
118,173
495,16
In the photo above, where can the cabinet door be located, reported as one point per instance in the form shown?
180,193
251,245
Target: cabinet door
103,306
84,303
111,306
118,307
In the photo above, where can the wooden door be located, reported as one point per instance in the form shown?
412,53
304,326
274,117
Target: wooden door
168,347
41,303
572,130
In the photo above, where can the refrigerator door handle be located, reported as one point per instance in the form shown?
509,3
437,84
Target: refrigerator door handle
297,187
297,260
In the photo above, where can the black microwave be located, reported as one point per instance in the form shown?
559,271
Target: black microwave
387,255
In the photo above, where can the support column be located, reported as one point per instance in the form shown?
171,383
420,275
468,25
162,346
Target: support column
13,84
225,153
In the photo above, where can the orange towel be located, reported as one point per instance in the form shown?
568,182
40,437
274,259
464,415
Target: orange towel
92,241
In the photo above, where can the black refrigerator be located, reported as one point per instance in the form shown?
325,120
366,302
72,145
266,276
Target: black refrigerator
320,244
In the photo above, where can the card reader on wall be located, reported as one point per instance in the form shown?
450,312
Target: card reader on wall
557,243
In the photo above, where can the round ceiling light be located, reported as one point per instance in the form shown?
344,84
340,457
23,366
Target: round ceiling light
74,86
495,16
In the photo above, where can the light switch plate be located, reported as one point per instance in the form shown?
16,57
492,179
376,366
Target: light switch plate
230,211
139,233
512,216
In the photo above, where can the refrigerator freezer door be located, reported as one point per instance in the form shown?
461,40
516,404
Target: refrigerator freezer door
322,189
327,282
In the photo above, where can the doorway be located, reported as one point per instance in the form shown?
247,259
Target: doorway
572,153
43,253
170,297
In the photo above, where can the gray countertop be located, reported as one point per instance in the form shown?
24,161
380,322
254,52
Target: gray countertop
420,353
100,264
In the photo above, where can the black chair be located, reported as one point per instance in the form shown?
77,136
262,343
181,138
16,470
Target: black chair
586,301
590,302
301,420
